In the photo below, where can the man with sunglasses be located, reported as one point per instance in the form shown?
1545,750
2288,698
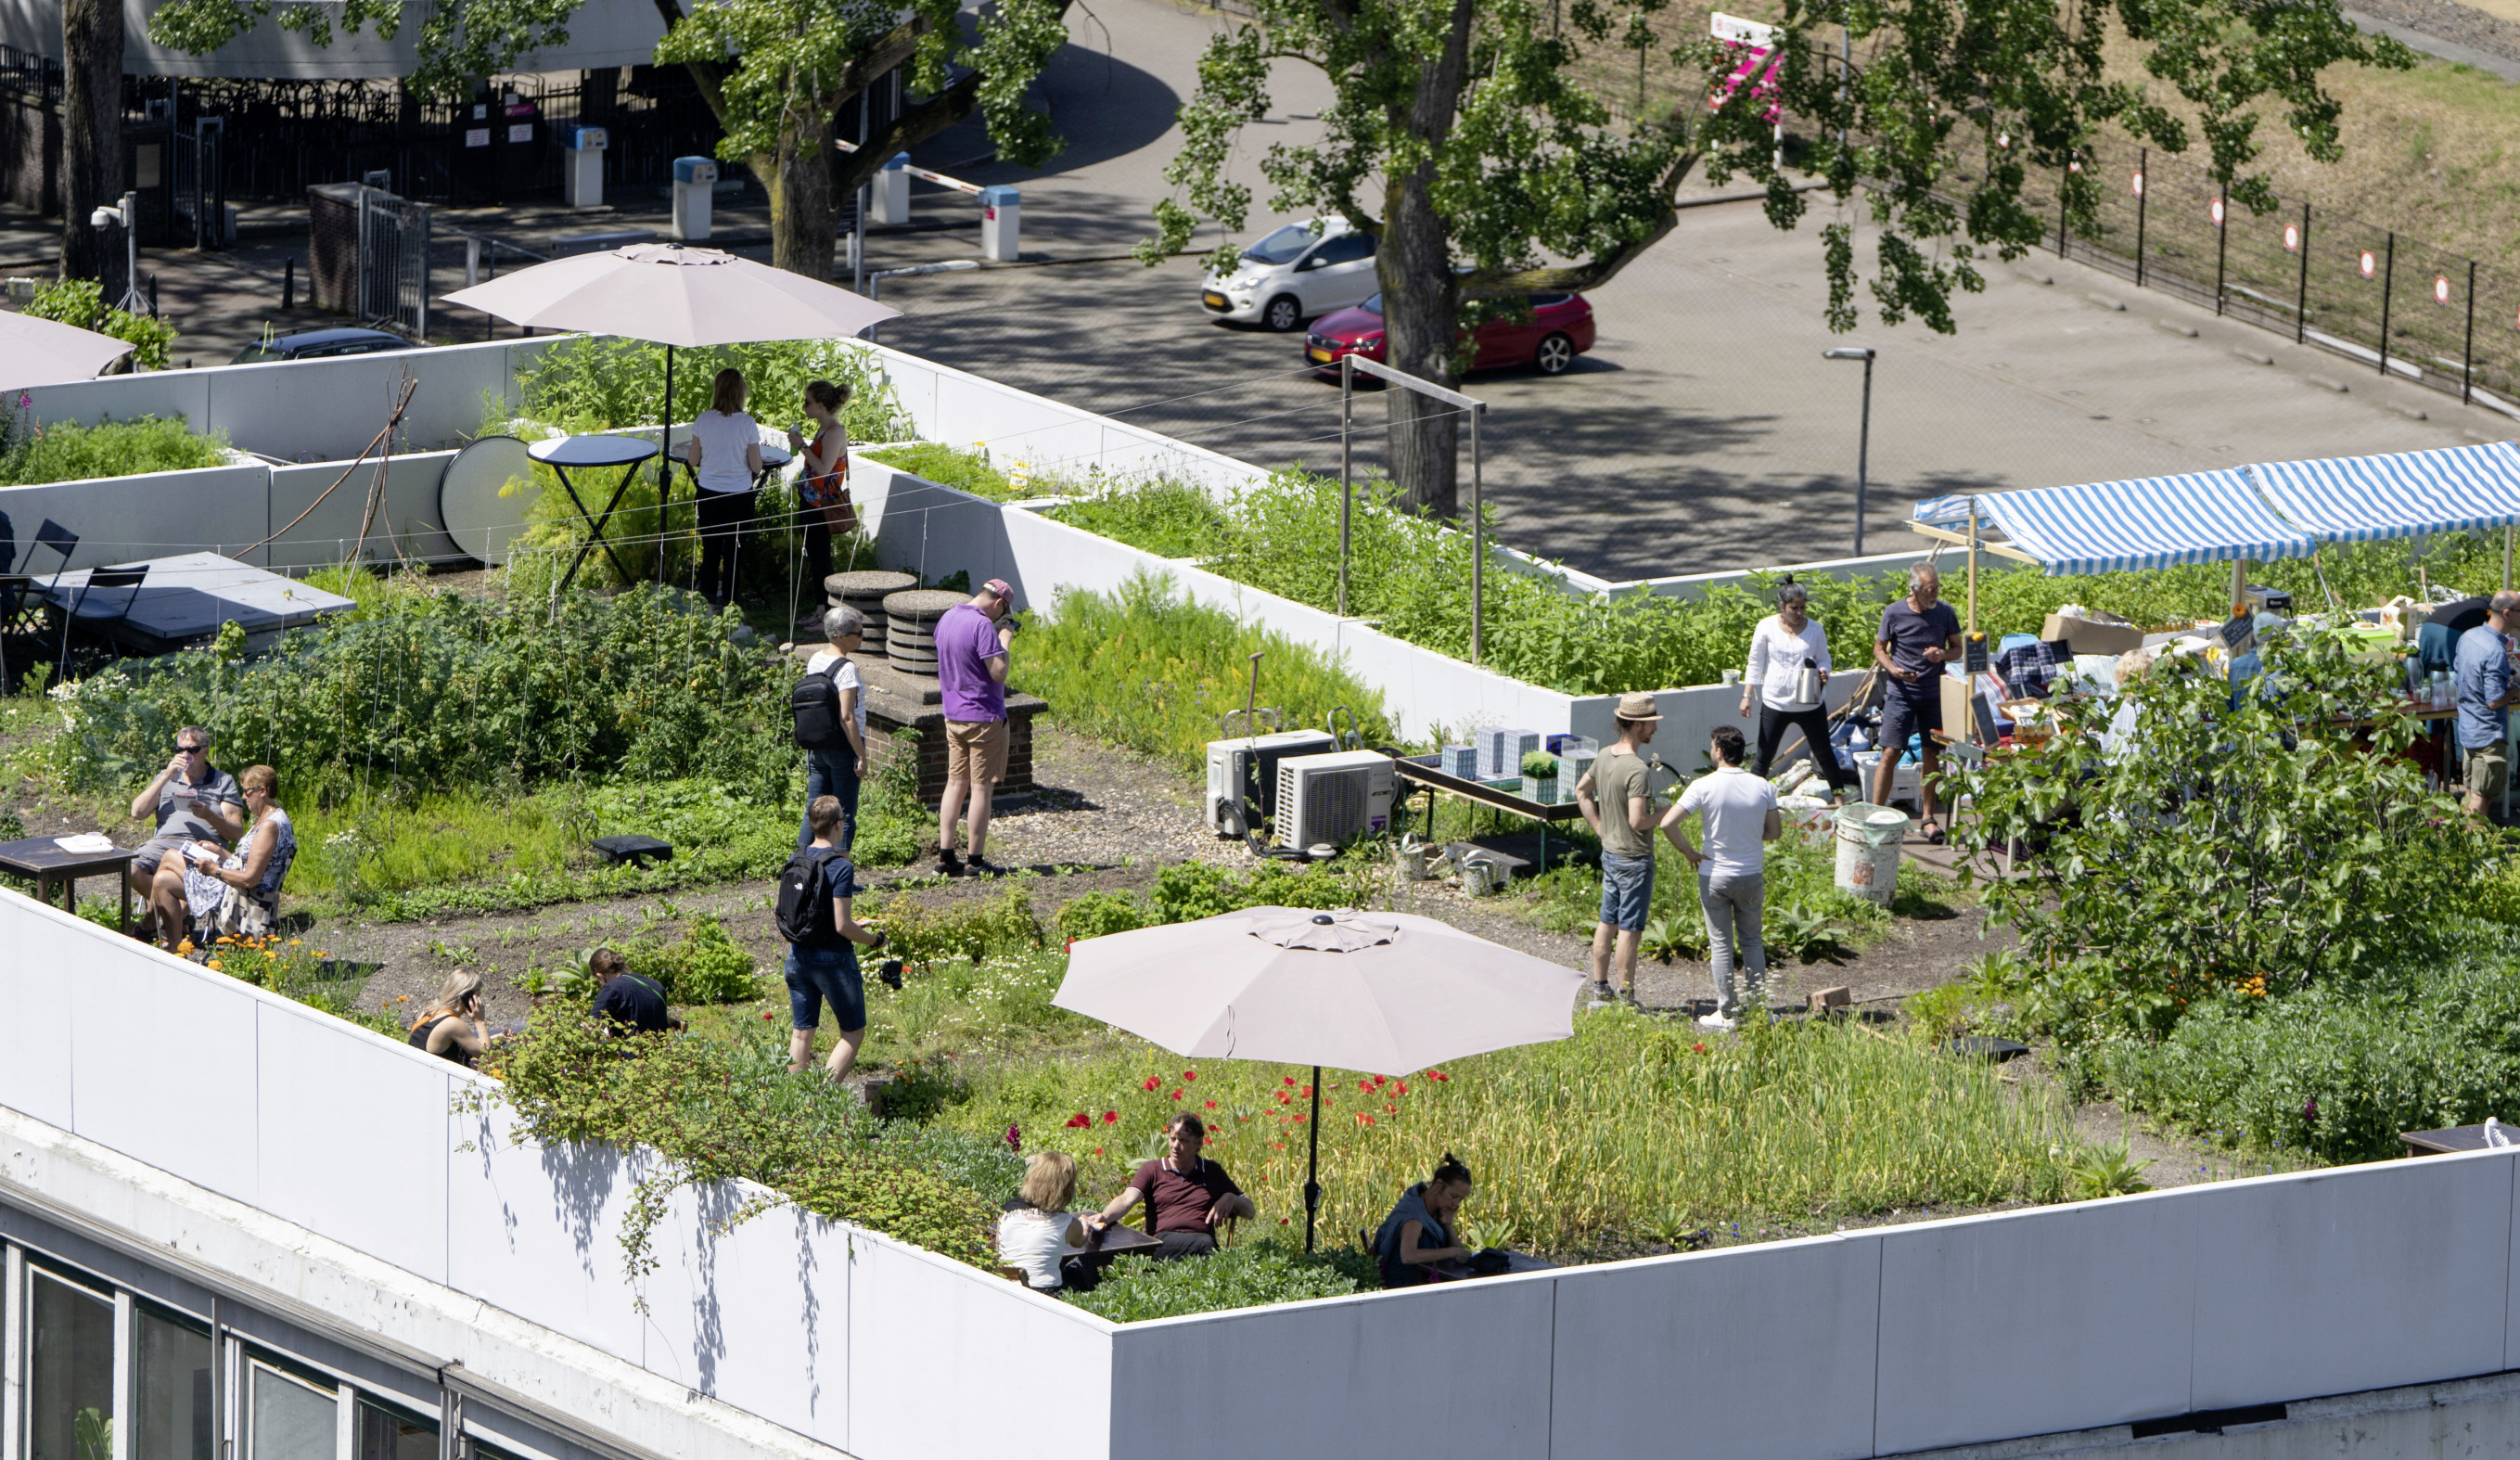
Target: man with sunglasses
193,800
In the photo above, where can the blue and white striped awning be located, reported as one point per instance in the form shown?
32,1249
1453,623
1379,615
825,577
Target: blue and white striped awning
2367,498
2104,527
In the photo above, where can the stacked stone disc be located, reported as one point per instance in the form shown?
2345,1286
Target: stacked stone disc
910,636
865,592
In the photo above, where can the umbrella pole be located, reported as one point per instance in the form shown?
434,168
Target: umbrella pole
1313,1164
664,465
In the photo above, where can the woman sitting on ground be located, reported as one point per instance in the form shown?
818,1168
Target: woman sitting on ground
1419,1232
452,1028
1186,1195
1034,1229
237,893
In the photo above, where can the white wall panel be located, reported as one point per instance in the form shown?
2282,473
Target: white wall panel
157,515
410,521
2023,1323
1730,1330
128,398
537,1231
329,1090
1459,1368
2355,1278
948,1362
765,1326
163,1061
42,955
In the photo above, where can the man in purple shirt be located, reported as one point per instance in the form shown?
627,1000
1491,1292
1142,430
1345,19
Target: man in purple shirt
972,644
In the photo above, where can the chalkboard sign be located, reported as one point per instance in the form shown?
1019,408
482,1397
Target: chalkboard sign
2236,633
1973,652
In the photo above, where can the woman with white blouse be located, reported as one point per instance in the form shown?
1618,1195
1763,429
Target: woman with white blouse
1786,643
725,455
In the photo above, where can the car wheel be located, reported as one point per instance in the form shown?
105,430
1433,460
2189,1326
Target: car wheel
1555,354
1282,314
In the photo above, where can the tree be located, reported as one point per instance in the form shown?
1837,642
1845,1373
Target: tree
777,73
1491,160
91,128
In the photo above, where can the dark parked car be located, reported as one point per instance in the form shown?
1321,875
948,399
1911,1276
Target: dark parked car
317,344
1557,328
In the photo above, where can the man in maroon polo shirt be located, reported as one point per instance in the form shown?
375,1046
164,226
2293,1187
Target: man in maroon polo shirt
1186,1195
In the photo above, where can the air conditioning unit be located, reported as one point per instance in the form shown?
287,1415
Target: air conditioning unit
1332,797
1246,770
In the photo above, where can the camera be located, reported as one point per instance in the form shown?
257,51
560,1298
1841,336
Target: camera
890,973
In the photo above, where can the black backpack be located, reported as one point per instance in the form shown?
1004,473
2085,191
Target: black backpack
816,704
805,899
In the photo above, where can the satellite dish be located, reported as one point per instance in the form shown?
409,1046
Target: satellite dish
473,501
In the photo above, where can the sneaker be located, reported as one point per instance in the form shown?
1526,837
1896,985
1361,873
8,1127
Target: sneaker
1597,995
1628,996
1716,1021
981,866
949,863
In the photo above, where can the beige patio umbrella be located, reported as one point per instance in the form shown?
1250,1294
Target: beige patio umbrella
47,352
1381,992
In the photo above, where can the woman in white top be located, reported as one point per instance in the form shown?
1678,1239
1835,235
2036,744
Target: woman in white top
725,456
1032,1232
1781,647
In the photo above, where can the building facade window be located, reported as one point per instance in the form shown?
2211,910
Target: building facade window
69,1370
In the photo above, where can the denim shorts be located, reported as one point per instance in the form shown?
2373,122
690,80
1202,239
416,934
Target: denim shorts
1627,886
817,976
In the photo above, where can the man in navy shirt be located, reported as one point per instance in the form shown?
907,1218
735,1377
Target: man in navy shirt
2483,672
1919,634
632,1003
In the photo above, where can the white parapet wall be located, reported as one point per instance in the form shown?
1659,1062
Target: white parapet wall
189,1113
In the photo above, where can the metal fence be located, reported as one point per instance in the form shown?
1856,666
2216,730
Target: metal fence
2389,301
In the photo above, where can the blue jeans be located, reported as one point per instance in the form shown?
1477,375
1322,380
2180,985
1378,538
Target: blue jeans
1627,890
831,773
825,975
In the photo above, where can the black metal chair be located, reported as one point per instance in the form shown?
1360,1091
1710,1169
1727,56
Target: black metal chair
109,580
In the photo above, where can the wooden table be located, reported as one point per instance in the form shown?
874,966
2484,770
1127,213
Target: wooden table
42,859
1420,773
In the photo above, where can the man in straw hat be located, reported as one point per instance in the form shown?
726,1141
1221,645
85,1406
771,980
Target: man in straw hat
1617,801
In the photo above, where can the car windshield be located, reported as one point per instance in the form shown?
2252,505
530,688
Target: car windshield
1372,305
253,354
1285,245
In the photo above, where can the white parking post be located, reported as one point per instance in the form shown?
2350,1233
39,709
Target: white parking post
892,191
1000,223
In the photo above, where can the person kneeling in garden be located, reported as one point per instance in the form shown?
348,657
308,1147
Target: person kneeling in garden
1740,818
815,890
630,1003
1186,1195
1419,1231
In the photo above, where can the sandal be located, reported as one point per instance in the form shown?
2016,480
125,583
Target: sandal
1934,833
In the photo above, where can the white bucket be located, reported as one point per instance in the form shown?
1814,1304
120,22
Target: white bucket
1868,850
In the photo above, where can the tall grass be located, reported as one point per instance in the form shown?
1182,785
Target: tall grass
1148,669
1634,1130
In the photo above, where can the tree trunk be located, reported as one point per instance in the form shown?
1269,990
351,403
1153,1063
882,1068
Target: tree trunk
1423,313
804,225
91,128
1415,266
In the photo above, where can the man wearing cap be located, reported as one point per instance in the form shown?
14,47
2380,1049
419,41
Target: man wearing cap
1617,800
2481,668
972,640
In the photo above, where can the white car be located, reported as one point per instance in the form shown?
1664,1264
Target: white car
1300,272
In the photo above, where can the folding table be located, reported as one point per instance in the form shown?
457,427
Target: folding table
591,452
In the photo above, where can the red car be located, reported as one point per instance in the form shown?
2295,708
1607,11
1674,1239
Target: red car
1559,328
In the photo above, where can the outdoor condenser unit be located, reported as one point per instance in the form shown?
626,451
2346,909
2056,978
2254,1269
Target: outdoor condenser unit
1246,768
1332,797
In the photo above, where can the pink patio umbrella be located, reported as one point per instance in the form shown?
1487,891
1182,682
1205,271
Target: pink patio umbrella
47,352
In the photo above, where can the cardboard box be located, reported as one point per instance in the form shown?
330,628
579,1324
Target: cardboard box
2105,633
1957,706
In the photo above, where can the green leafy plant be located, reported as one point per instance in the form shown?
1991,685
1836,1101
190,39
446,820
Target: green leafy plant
80,304
1667,939
2105,1171
704,967
1793,930
969,470
1244,1275
1096,914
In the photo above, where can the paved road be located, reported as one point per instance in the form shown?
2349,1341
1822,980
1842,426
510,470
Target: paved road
1706,433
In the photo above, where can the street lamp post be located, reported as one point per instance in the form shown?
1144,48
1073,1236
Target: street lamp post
875,280
1864,433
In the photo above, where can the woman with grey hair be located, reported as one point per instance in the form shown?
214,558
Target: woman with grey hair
840,772
1788,665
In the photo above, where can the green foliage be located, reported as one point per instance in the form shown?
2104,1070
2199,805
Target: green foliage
2105,1171
2252,851
1097,914
1166,518
721,1110
1146,668
974,930
81,304
33,452
703,967
456,692
1247,1275
604,382
1952,107
1677,937
965,471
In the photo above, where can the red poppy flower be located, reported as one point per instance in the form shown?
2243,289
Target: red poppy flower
1300,1120
1438,1074
1700,1048
1362,1119
1402,1086
1288,1081
1098,1150
1110,1117
1366,1085
1284,1099
1390,1108
1177,1095
1211,1105
1079,1121
1305,1090
766,1017
1152,1083
1190,1075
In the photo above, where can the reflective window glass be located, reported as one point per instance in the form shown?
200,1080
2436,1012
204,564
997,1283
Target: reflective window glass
291,1420
69,1376
388,1434
171,1390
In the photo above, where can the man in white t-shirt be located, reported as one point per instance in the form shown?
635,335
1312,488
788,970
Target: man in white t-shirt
840,772
1740,819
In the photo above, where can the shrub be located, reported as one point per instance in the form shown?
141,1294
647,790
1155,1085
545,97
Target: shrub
33,452
2254,846
80,304
966,470
703,967
602,383
1247,1275
1096,914
1147,670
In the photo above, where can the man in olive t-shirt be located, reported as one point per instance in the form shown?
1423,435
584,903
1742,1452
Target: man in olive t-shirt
1617,799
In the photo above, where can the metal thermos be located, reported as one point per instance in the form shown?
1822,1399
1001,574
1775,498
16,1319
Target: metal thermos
1806,684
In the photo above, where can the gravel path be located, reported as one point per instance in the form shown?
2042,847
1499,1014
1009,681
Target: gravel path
2450,21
